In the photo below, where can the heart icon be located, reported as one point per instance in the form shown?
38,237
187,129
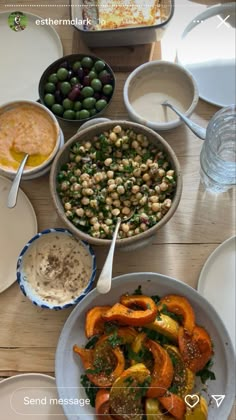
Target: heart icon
192,400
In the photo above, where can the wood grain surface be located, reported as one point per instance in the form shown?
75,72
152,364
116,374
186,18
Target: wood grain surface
29,335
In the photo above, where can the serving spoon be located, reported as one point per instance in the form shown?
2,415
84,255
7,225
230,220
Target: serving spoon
105,278
195,128
13,193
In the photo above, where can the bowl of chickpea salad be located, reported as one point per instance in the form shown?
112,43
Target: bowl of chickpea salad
117,169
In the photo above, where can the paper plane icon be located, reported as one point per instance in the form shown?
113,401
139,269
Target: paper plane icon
218,399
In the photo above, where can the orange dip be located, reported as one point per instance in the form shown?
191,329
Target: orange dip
26,129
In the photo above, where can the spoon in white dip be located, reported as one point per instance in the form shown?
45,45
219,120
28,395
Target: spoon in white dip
195,128
13,193
104,281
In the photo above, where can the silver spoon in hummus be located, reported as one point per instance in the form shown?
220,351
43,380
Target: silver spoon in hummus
13,193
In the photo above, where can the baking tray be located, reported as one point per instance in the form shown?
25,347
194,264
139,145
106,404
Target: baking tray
135,35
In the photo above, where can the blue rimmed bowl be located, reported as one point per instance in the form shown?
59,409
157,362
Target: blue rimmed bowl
23,275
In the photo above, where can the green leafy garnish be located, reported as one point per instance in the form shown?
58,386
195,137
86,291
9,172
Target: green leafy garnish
138,291
173,389
110,327
143,387
156,299
114,340
142,355
90,389
91,343
155,336
206,373
164,311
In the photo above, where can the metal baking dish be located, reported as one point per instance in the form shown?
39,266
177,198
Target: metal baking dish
124,36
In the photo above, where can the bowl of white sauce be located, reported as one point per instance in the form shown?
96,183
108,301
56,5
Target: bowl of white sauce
151,84
55,270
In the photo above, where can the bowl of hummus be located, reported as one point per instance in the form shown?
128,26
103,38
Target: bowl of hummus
55,270
27,127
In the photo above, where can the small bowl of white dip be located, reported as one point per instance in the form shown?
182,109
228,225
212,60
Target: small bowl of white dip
55,270
151,84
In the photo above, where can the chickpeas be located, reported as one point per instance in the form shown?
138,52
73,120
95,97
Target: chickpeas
118,173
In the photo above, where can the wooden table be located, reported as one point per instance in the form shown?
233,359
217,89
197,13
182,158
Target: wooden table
29,335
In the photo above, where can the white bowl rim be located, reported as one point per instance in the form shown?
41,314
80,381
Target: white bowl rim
159,125
38,301
34,170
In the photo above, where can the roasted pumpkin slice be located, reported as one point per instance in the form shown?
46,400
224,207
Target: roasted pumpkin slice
127,392
94,323
103,364
153,410
183,380
163,372
179,305
125,313
102,405
165,325
196,350
199,412
174,405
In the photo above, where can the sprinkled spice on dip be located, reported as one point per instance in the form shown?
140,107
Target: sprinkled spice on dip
26,128
58,267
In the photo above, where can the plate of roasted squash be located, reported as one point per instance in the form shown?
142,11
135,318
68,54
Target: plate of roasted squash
152,348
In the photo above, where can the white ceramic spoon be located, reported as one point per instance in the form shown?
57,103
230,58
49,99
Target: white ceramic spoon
12,197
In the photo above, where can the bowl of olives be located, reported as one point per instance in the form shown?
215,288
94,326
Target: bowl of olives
77,87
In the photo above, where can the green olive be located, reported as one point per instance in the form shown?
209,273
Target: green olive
74,81
69,114
62,74
77,106
107,89
92,112
49,99
87,62
89,103
96,84
53,78
65,88
101,104
83,114
99,65
57,109
76,65
87,91
92,75
50,87
68,104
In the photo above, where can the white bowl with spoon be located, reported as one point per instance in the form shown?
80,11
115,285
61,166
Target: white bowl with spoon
27,127
152,83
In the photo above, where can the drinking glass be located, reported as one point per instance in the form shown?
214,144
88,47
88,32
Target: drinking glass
218,154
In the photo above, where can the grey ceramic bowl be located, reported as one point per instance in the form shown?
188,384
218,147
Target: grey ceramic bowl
69,60
88,135
26,286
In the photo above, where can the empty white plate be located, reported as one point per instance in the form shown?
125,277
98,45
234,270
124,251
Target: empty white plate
207,50
31,396
17,226
25,55
217,283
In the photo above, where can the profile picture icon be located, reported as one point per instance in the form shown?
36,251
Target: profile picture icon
17,21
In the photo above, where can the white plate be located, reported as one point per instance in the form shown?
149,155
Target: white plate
217,283
69,367
24,57
207,50
17,226
16,392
